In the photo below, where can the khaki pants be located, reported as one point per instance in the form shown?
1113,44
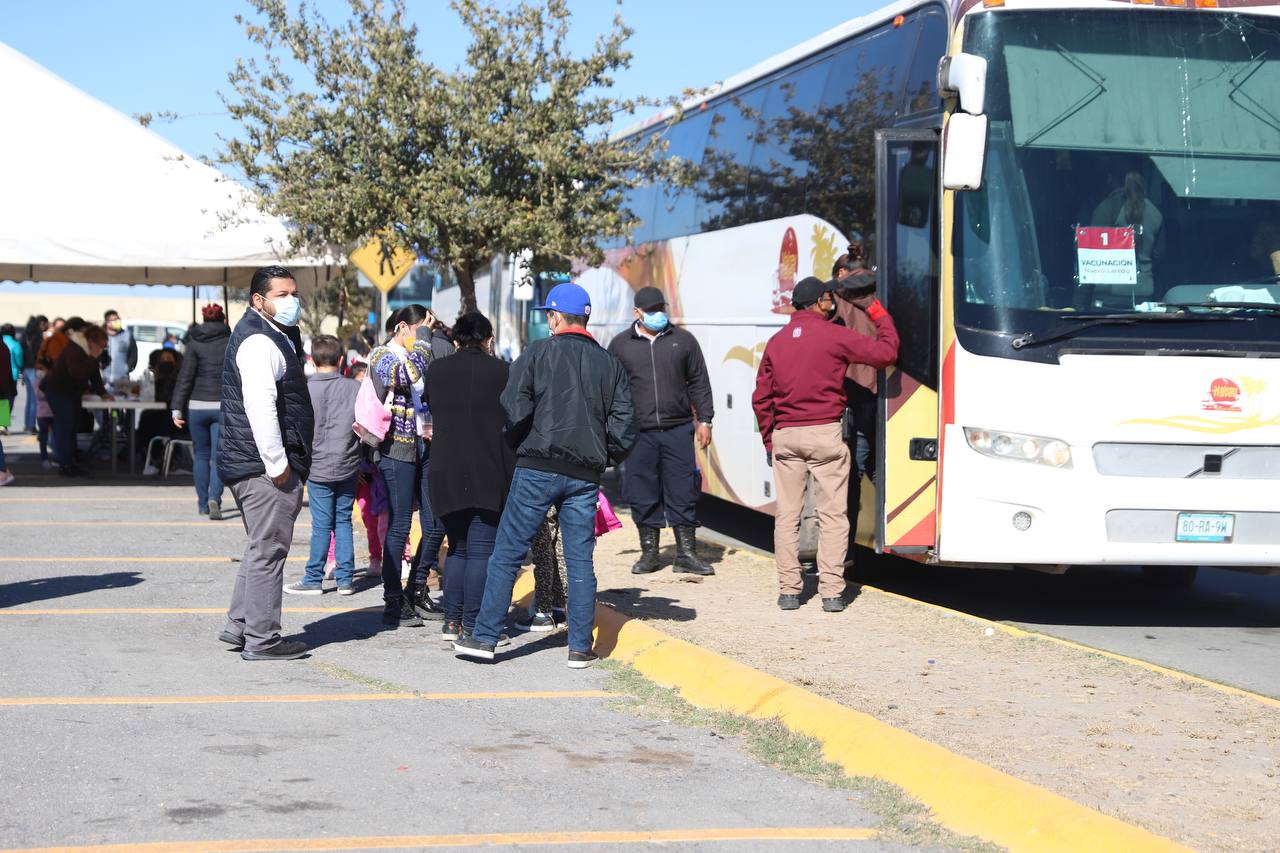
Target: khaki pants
821,452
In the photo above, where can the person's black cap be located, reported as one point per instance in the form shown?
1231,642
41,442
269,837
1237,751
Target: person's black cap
648,298
860,281
808,291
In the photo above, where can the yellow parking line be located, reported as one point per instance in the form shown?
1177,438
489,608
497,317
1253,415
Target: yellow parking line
60,522
12,701
163,611
496,839
113,499
108,560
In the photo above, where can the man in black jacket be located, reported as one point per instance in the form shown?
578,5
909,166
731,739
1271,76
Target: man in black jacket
669,385
569,416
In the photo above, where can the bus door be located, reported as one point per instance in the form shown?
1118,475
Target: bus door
907,246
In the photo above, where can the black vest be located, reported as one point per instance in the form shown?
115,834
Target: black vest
238,457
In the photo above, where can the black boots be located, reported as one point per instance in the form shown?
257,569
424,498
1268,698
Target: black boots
687,561
648,561
418,599
687,552
398,613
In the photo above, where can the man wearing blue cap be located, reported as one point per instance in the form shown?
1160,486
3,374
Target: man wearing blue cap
569,416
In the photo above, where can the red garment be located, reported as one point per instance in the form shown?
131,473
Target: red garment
575,330
801,377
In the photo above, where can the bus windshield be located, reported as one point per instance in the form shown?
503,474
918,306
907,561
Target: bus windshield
1133,166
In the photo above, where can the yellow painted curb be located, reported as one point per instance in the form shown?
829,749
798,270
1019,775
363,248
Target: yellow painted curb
1014,631
962,794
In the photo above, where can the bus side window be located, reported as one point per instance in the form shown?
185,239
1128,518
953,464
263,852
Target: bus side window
920,94
859,97
640,200
675,211
725,197
790,134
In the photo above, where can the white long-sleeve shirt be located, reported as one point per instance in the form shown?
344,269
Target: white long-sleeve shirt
261,365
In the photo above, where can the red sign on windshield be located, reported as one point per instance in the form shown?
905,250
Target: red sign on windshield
1104,238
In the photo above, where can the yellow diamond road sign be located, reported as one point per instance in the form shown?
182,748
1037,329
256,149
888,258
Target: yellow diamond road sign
384,268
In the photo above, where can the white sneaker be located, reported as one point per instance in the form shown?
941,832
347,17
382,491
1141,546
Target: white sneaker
48,464
150,470
6,478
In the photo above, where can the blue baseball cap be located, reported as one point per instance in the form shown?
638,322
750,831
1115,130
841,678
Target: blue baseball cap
567,298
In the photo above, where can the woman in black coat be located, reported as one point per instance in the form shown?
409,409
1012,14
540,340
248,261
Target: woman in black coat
471,464
196,400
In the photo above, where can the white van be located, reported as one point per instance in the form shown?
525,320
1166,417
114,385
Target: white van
150,336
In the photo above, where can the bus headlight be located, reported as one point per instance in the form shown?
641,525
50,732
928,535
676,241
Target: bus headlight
1024,448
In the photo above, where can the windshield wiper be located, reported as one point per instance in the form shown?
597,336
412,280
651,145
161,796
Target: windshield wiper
1081,322
1255,306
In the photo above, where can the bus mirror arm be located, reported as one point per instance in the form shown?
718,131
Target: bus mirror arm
965,76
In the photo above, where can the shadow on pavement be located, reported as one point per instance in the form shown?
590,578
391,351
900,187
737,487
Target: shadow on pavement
642,603
44,589
345,627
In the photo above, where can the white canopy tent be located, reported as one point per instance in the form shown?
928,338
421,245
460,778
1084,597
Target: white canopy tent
89,195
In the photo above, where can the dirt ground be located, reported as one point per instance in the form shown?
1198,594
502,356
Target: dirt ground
1182,760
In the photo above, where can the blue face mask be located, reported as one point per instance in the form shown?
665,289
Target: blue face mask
287,310
655,321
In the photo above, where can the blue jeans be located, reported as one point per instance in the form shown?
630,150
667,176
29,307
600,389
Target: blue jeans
66,422
331,514
405,482
29,377
204,426
471,539
532,494
864,465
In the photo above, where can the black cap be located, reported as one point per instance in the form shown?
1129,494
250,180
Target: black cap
649,297
808,291
860,281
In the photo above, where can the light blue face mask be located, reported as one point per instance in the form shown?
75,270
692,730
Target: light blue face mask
655,321
287,310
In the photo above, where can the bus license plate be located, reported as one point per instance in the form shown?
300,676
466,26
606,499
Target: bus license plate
1205,527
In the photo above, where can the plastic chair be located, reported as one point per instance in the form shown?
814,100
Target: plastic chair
164,445
168,453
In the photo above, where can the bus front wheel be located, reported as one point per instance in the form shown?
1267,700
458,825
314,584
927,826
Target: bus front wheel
1170,577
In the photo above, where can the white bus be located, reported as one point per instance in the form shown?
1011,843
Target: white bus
1080,246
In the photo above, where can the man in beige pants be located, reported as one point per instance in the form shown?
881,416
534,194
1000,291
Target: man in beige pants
799,402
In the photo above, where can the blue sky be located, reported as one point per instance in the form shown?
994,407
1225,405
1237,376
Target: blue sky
153,55
174,55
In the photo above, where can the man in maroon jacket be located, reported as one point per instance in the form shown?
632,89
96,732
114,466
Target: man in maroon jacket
799,403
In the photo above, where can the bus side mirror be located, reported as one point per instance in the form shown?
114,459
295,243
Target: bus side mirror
964,148
965,76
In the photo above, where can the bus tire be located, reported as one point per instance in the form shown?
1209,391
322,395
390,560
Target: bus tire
1170,577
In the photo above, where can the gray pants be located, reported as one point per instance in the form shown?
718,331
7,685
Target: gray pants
268,513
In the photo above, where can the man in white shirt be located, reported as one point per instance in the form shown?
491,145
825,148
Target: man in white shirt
264,455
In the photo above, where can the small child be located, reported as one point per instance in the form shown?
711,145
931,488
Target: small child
371,500
335,459
44,426
549,581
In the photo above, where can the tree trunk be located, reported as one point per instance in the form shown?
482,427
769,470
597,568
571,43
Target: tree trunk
467,286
